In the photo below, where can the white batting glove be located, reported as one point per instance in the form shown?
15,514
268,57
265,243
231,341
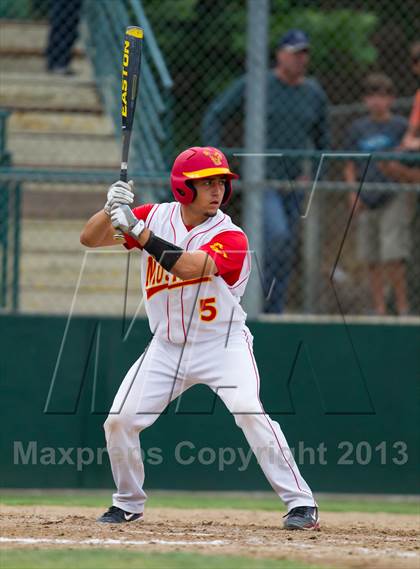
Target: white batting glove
119,193
124,219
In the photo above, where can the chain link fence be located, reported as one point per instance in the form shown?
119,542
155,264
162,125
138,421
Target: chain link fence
334,120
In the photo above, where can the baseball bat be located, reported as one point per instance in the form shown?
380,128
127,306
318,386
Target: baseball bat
129,89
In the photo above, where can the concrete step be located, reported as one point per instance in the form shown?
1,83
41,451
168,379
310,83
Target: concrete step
36,64
89,303
51,262
50,122
64,151
55,202
44,79
64,93
26,36
49,237
64,188
103,270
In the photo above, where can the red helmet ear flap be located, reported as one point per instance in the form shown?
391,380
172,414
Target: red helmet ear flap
183,191
190,184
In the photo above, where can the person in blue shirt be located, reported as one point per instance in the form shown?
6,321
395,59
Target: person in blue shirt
383,218
296,118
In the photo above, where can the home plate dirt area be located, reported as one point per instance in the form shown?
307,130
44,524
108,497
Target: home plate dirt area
345,540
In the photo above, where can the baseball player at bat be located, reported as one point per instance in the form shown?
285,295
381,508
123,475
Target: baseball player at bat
195,266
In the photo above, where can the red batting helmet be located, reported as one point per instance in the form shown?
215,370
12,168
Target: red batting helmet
197,163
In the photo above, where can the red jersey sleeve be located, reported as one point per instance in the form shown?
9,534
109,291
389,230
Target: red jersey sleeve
141,212
228,251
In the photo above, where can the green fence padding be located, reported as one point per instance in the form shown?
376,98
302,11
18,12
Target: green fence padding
345,396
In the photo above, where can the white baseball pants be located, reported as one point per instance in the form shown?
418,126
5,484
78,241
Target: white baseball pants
162,373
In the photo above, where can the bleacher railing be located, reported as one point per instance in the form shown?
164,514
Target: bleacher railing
10,214
325,216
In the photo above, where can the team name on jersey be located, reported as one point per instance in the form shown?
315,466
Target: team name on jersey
157,279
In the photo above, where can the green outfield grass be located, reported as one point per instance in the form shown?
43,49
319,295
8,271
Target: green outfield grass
202,501
108,559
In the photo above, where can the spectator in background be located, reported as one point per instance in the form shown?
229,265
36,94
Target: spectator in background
64,20
411,141
296,119
410,174
383,236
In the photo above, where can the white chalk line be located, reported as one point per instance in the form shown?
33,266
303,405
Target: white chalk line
101,541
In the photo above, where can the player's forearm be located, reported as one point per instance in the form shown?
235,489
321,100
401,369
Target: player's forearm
182,264
188,264
194,264
98,231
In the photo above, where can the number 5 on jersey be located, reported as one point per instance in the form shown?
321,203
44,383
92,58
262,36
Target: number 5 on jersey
208,310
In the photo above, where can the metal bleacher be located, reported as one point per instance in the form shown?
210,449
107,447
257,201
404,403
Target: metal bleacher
60,148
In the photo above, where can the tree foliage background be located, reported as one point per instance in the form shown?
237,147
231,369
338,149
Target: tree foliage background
204,45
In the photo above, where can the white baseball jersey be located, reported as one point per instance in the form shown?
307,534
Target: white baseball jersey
196,309
192,321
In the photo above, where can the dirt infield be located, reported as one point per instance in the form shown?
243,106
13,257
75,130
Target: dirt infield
346,539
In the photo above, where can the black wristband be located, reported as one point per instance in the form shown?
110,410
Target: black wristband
165,253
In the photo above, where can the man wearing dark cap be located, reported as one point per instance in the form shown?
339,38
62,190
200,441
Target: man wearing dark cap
296,118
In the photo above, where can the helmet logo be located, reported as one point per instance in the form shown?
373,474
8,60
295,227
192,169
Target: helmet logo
214,155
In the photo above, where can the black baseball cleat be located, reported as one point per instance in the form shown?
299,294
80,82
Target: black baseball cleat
115,515
302,517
